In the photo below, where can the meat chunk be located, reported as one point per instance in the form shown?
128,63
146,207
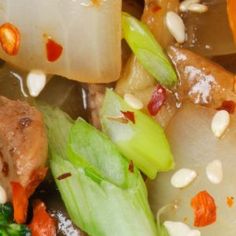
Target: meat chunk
201,80
23,145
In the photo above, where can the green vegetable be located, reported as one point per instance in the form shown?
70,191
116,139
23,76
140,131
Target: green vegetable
102,196
7,228
144,141
148,51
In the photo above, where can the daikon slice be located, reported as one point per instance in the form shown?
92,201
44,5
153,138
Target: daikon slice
87,34
194,146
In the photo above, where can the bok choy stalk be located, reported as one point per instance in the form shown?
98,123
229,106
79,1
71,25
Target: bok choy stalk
148,51
142,140
103,196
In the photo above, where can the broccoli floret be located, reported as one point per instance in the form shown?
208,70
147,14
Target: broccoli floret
7,227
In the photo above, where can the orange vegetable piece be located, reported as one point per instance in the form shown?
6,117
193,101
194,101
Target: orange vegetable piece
10,38
230,201
54,50
231,10
20,202
42,223
204,209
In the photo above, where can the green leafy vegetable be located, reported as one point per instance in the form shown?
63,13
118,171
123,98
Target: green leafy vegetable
148,51
102,196
7,228
142,141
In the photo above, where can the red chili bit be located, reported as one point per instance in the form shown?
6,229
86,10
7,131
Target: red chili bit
204,209
131,166
10,39
154,7
64,176
129,115
230,201
228,106
157,100
54,50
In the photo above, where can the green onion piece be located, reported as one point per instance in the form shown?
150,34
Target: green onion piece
98,203
148,51
143,141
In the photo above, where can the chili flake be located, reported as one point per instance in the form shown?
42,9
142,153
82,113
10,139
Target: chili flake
64,176
157,100
10,38
228,106
204,209
129,115
54,50
230,201
131,166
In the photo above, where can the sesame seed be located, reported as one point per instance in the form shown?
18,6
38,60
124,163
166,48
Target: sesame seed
220,123
3,195
36,81
198,8
175,26
133,101
214,172
175,228
185,4
183,178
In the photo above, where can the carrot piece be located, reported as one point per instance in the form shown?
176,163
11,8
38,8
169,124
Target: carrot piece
231,10
20,202
10,39
204,209
42,223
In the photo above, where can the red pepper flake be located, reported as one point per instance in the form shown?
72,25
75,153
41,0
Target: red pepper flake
230,201
228,106
64,176
129,115
54,50
131,166
10,39
157,100
204,209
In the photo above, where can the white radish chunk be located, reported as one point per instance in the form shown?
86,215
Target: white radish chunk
85,37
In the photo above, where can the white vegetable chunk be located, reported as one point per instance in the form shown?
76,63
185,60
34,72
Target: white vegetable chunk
194,147
89,34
